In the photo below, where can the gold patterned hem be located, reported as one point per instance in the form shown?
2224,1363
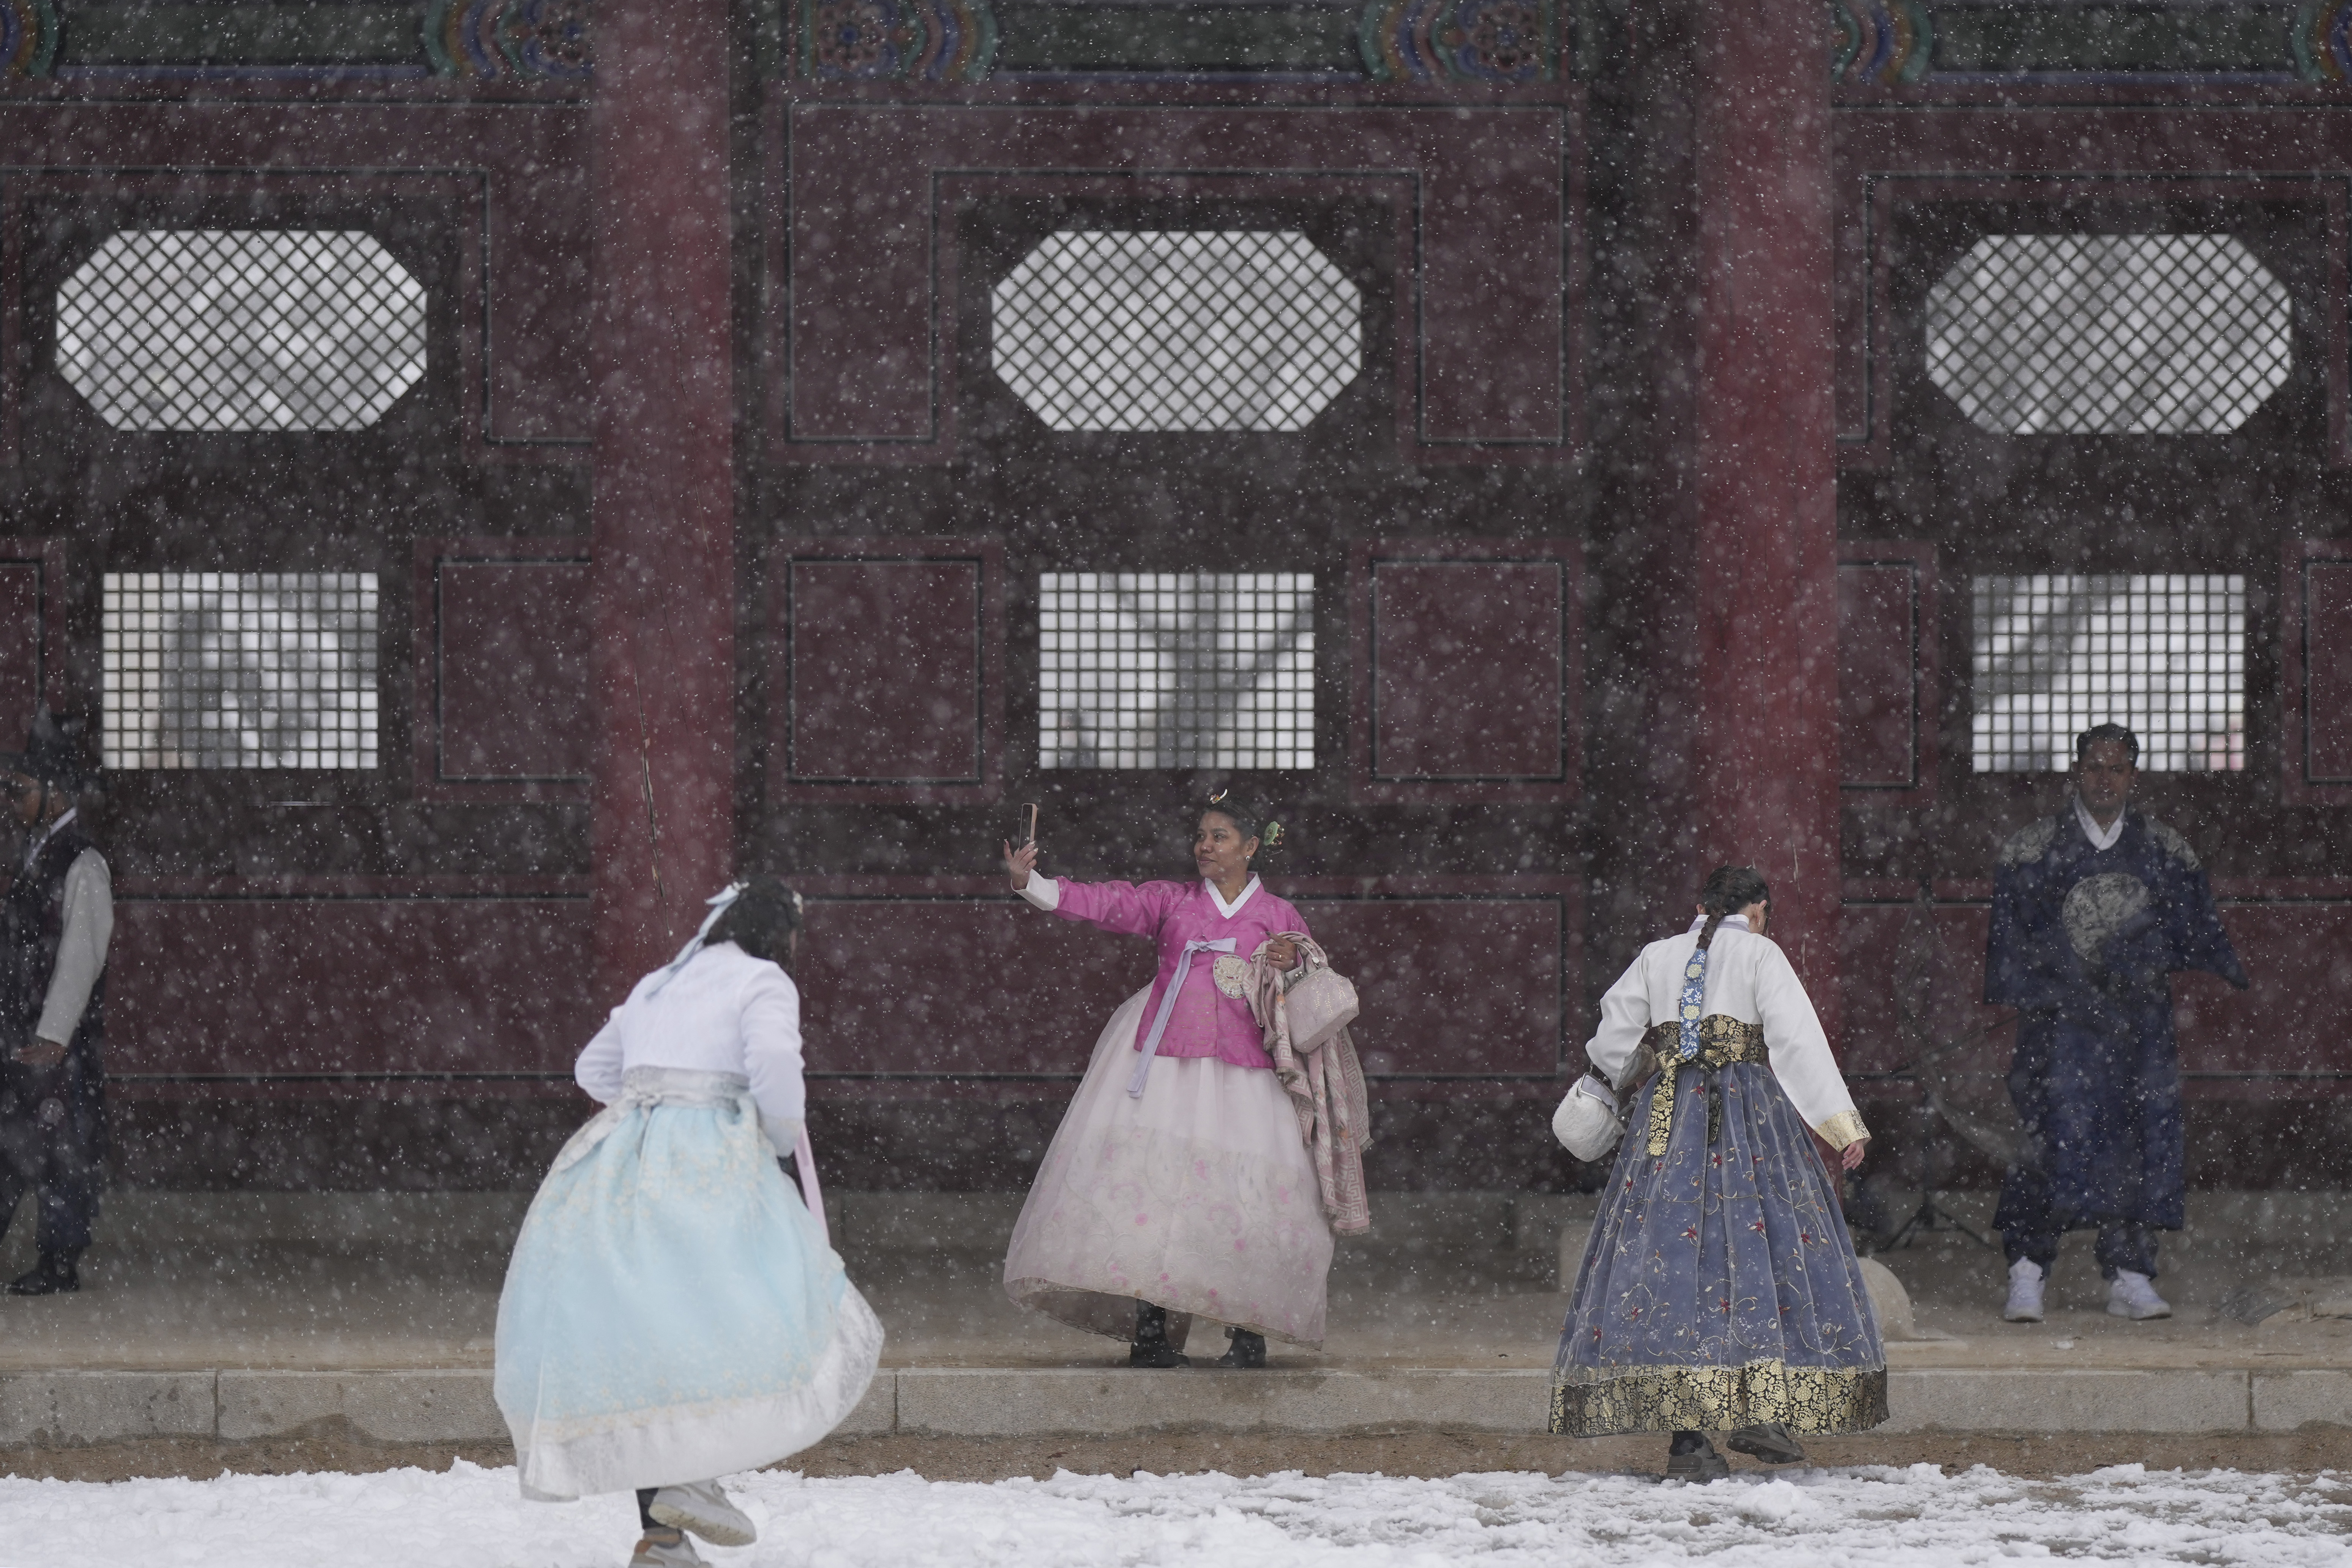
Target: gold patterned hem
1815,1401
1842,1129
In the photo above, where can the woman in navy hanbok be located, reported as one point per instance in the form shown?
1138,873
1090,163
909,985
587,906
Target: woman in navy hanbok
1719,1291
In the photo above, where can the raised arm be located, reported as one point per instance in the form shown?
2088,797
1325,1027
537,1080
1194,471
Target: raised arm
1021,866
1126,908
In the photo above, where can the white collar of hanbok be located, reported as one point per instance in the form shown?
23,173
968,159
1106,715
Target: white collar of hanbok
1224,909
1737,922
2100,837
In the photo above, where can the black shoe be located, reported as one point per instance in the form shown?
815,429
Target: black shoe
1151,1348
1769,1441
1248,1348
1695,1461
52,1275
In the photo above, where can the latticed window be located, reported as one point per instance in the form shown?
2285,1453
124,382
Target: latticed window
219,330
214,669
2164,655
1144,670
2109,333
1177,331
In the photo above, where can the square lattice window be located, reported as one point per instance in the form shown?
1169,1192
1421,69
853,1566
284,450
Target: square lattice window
1177,331
2109,334
2163,654
217,330
1165,670
213,669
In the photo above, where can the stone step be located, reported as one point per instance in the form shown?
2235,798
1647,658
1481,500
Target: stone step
59,1408
979,1224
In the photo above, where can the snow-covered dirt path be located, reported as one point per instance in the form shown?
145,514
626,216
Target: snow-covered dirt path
470,1518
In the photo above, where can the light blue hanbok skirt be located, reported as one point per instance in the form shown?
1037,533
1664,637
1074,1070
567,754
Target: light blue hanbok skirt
672,1313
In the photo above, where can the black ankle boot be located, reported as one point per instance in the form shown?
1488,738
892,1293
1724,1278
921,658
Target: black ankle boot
1769,1441
1691,1458
1248,1348
53,1274
1151,1347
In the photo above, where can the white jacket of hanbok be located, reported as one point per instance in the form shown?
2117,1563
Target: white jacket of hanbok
1747,978
724,1012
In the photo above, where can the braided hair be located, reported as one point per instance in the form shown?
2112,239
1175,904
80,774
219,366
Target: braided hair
1729,890
761,922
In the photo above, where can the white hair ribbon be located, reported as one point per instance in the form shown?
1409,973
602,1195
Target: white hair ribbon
718,904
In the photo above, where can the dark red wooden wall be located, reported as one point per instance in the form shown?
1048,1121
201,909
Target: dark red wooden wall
1500,739
1926,501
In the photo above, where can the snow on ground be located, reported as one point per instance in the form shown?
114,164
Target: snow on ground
471,1517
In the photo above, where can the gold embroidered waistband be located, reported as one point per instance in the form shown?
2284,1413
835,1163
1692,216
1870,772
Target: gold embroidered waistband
1722,1040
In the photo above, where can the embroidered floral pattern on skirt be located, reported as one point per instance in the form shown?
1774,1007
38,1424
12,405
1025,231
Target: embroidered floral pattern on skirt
1198,1197
1719,1287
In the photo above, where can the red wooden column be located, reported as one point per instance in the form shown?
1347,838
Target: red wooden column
664,519
1765,757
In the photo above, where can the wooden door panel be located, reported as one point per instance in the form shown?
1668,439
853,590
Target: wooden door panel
504,706
1886,667
358,984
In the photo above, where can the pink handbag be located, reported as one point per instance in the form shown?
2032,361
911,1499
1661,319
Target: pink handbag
1319,1000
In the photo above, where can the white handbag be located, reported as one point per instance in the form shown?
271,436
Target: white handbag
1319,1000
1586,1124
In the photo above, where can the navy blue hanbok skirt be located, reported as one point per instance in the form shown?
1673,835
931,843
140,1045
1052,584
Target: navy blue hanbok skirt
1720,1289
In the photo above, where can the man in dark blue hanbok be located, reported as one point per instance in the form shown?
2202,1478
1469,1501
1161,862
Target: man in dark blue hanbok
2092,910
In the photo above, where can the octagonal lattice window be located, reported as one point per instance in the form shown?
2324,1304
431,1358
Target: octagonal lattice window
222,330
2128,334
1214,331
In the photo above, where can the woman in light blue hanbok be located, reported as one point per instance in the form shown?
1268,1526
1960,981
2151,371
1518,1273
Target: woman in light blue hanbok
674,1313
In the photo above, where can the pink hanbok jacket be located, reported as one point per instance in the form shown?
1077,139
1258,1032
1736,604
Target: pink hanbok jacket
1206,1021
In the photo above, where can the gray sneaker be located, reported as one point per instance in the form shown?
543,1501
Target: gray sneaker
702,1508
667,1548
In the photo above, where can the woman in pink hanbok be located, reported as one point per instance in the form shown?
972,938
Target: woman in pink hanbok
1178,1185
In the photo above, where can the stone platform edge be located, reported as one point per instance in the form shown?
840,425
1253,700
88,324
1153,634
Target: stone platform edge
47,1409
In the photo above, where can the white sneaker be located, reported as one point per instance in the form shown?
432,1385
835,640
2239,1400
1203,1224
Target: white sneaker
2130,1295
667,1549
2025,1293
703,1509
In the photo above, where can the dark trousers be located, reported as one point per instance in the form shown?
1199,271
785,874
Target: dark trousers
2029,1229
52,1144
